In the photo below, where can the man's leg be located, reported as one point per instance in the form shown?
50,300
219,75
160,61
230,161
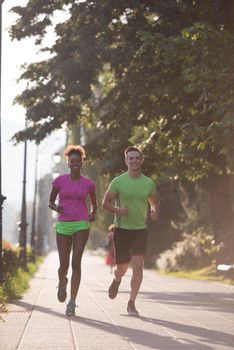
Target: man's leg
137,263
138,252
122,256
119,273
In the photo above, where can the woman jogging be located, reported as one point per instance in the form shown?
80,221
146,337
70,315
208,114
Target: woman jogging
72,228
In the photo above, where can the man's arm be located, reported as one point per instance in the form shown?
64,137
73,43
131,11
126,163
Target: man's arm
154,206
108,205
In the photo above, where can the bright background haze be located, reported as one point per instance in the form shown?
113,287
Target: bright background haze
14,54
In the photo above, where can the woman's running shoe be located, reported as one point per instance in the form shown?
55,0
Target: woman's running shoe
62,292
70,311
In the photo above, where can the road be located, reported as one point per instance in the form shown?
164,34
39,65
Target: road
175,314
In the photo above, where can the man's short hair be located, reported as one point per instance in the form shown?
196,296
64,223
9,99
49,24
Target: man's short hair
132,149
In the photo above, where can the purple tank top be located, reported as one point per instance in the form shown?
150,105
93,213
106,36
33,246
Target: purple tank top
73,196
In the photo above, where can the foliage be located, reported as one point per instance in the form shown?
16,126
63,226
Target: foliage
10,257
208,273
164,232
158,74
195,251
16,283
16,280
142,72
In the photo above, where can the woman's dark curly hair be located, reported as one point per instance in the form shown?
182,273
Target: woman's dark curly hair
75,149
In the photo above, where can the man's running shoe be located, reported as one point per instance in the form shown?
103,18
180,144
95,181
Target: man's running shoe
62,292
113,290
70,311
131,309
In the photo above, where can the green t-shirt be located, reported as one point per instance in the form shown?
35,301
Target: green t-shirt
132,193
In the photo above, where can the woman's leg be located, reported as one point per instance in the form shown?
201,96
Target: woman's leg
64,244
79,241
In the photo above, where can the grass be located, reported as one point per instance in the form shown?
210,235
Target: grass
15,284
208,273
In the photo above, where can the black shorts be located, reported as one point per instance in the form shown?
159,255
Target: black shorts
128,243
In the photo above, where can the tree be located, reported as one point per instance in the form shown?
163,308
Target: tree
159,74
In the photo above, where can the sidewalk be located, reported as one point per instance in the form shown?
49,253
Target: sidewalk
175,314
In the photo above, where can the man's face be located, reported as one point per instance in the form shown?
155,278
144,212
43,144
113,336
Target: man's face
133,160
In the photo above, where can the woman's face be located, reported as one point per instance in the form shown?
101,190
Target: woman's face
74,163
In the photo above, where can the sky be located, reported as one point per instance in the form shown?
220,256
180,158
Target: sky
14,54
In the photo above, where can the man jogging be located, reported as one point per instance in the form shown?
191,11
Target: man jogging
128,197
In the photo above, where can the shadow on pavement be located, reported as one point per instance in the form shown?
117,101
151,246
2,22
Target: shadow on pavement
219,302
142,337
206,335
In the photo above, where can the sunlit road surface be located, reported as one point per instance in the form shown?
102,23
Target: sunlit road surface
174,313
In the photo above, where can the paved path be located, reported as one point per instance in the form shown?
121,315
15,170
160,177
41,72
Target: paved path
174,314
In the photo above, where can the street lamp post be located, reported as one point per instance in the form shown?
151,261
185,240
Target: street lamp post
2,198
23,221
57,160
33,233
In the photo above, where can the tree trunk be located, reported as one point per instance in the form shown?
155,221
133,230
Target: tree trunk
220,202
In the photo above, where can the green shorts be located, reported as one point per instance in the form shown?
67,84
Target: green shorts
68,228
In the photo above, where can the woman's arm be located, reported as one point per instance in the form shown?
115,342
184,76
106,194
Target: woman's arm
52,198
93,201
